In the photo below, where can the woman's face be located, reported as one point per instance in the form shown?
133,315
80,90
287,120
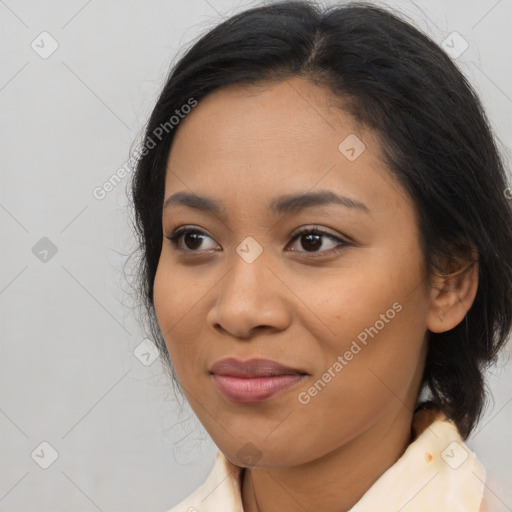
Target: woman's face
345,311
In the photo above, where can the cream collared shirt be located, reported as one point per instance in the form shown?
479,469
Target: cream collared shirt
436,473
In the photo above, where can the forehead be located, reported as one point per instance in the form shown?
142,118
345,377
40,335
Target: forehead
244,117
257,141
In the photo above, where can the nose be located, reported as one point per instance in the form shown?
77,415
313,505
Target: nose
250,298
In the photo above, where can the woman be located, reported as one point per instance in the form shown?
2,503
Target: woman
325,232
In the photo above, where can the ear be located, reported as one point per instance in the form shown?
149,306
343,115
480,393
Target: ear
452,294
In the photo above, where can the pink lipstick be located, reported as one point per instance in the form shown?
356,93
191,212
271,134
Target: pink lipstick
254,380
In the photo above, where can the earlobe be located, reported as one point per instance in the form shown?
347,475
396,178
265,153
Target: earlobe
452,295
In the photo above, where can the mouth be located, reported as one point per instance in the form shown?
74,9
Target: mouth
254,380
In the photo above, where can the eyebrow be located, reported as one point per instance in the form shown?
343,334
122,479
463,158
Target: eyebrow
281,205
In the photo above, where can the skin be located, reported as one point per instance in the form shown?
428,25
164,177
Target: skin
302,307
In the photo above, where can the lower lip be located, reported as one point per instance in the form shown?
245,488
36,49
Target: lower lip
256,389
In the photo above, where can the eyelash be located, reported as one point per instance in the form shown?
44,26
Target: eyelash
177,235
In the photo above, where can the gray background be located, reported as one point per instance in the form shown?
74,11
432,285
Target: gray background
69,375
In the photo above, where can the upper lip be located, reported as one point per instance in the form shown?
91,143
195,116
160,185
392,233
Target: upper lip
252,368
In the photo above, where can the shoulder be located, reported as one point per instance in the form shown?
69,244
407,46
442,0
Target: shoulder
494,492
436,472
221,492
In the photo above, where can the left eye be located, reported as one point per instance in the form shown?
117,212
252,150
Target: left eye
312,240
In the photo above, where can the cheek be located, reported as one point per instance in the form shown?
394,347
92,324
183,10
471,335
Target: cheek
174,301
353,301
376,321
381,364
363,380
164,298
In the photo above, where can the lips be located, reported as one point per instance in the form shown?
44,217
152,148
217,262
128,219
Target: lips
252,368
254,380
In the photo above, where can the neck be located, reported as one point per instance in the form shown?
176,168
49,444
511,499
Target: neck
334,482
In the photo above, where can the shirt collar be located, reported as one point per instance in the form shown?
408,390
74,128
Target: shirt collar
436,472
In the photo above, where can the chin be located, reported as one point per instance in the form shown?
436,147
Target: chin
261,453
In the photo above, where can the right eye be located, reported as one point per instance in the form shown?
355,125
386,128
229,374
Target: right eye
191,238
